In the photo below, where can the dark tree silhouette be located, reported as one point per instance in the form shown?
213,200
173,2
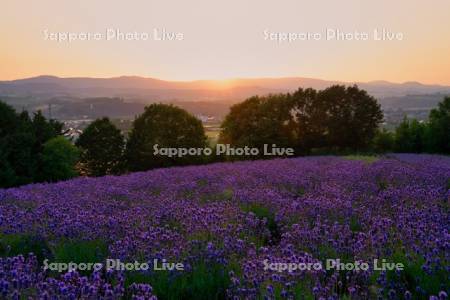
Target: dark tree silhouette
168,127
21,145
59,157
337,117
439,128
102,146
258,121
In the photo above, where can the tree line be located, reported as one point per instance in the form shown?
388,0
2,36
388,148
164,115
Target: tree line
413,136
32,150
335,120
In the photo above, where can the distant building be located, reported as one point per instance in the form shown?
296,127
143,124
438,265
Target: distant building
72,134
205,119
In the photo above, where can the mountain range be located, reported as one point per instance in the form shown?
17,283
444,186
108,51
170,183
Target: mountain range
152,89
126,97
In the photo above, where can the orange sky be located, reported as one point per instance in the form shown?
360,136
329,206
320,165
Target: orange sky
225,39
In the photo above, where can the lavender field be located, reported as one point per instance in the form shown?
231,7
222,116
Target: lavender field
226,222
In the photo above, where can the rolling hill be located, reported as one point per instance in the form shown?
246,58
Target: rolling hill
156,89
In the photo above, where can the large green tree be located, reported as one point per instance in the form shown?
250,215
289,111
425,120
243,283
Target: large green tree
18,162
59,158
21,143
8,127
44,130
310,120
168,127
439,128
410,136
8,119
337,117
102,146
383,141
258,121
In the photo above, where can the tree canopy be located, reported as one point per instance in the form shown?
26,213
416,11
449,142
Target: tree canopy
168,127
439,126
257,121
337,117
59,157
21,145
102,145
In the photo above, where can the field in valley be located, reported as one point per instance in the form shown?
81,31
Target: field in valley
226,222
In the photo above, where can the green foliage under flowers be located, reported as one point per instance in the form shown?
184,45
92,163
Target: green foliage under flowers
79,251
414,275
355,224
203,282
15,244
264,213
365,158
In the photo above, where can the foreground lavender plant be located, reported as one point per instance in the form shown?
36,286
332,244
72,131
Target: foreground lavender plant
222,221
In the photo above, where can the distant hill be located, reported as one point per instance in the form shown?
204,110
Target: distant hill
412,102
125,97
152,89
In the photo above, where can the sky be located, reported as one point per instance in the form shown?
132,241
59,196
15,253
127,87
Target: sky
227,39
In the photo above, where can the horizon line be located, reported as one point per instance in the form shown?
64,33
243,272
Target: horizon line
228,79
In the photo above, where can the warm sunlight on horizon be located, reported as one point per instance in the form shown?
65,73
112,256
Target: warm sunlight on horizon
209,40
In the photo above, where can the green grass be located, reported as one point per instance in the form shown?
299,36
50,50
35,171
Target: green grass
413,275
365,158
63,251
94,251
202,182
80,251
15,244
225,195
355,225
261,213
203,282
